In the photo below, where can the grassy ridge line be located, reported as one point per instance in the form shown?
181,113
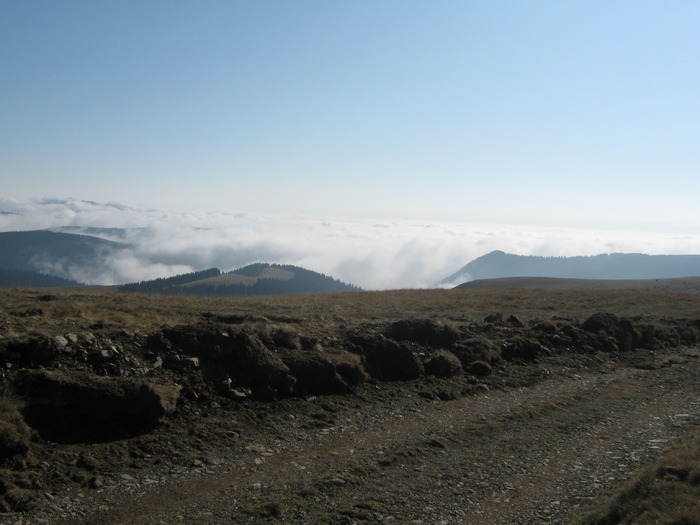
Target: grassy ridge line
224,279
682,284
237,278
55,312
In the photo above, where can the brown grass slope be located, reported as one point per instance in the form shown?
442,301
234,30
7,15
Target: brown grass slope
232,278
681,284
55,312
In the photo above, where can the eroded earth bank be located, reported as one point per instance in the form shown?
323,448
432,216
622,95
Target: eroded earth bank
241,418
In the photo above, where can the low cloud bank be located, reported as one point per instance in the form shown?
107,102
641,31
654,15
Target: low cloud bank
370,254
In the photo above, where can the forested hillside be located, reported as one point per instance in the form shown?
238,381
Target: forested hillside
254,279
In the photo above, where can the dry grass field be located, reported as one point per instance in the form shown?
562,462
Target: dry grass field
82,308
682,284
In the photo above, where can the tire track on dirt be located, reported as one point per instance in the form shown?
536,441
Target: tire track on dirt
528,455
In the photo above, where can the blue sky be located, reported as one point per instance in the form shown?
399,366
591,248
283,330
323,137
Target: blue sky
536,113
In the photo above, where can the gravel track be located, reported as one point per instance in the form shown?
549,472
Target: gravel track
533,454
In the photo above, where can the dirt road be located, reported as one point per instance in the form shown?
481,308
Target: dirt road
530,454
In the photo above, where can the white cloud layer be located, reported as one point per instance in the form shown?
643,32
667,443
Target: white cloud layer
371,254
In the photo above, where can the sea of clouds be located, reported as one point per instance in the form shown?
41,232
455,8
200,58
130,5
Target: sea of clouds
374,255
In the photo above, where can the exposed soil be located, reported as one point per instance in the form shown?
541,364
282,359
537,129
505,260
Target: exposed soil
538,445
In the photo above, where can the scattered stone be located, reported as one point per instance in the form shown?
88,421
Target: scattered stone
336,482
87,462
60,342
96,483
238,394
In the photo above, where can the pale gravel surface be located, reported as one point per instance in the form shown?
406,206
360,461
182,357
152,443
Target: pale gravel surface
535,454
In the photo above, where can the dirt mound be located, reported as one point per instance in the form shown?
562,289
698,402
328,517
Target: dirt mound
72,406
229,355
315,374
389,360
423,331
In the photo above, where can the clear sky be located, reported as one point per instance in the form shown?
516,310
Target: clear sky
580,114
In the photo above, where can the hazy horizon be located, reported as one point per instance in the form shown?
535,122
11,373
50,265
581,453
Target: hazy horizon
373,254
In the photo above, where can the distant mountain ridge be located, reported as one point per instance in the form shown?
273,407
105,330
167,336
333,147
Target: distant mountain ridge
254,279
38,249
92,231
676,284
498,264
49,258
64,255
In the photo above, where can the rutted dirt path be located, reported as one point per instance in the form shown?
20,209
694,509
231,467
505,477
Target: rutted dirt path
534,454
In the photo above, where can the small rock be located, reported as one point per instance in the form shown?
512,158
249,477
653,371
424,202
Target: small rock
101,354
190,362
337,482
60,342
238,394
87,462
96,483
260,449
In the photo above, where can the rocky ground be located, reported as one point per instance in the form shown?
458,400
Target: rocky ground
250,420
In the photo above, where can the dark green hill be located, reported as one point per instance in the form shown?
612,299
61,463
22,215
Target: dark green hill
169,284
498,264
255,279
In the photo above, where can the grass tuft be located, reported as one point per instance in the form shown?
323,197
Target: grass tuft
14,432
668,493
